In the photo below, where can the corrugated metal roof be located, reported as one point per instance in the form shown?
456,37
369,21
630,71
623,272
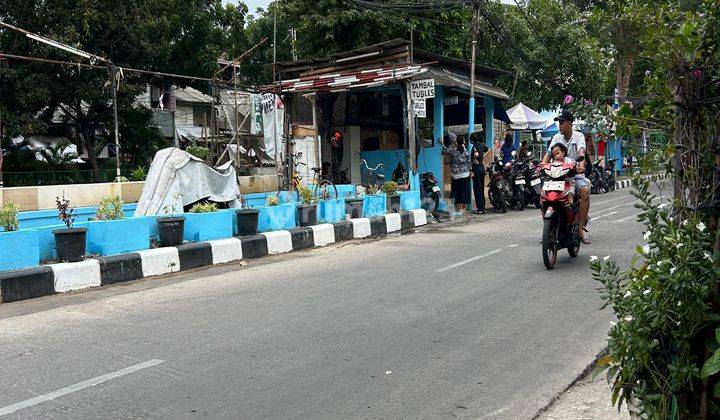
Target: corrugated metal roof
445,77
189,94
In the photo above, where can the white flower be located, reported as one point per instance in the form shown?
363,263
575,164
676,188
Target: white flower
613,323
662,206
701,227
680,245
677,323
685,222
646,292
707,255
660,263
593,258
646,236
646,249
679,303
627,294
672,219
645,277
629,318
672,270
605,258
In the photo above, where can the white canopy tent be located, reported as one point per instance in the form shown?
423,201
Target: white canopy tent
524,118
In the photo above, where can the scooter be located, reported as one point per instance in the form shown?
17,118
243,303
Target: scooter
560,229
499,192
430,192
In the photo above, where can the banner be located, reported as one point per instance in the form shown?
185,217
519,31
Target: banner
273,115
256,116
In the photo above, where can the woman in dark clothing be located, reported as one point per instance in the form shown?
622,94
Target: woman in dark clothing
460,171
478,173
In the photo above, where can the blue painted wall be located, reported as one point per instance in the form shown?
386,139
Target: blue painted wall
409,200
109,237
208,226
39,218
19,249
278,217
389,158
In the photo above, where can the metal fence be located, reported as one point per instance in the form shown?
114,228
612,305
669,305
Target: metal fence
28,179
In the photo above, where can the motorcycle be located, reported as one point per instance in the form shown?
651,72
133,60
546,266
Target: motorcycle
610,181
534,184
560,229
597,179
516,178
499,191
430,192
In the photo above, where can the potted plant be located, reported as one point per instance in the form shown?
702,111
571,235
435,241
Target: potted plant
111,233
393,198
247,218
171,229
307,209
276,215
69,242
354,205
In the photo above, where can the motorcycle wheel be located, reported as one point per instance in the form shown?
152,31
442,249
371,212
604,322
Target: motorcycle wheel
520,200
430,203
503,206
492,196
550,243
611,184
574,248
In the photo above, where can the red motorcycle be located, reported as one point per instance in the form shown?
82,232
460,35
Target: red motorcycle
560,228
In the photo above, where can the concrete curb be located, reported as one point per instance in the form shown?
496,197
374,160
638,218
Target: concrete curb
64,277
627,183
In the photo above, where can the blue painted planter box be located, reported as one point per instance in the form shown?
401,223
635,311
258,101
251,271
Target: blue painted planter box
331,210
277,217
344,189
109,237
409,200
207,226
375,205
19,249
41,218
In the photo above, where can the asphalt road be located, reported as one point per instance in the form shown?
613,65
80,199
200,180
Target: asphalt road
458,321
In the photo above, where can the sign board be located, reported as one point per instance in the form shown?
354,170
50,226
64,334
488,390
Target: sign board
423,89
419,108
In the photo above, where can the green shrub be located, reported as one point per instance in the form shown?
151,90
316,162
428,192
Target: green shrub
306,195
390,188
659,344
204,208
111,208
9,216
198,151
138,174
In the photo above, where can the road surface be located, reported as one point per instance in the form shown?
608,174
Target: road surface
453,321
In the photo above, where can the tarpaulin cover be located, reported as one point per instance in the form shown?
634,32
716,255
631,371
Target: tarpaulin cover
177,178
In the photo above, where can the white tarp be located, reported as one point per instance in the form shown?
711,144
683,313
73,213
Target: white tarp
177,178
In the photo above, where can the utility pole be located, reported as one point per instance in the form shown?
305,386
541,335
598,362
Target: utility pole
473,39
293,36
115,85
274,41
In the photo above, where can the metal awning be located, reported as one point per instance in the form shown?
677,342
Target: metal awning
447,78
343,81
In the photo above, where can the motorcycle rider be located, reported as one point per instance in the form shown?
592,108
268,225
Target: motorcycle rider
574,141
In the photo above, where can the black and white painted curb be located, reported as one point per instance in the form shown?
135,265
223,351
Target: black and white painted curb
627,183
58,278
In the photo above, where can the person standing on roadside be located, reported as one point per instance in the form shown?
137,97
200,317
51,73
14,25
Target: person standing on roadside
507,148
454,147
478,171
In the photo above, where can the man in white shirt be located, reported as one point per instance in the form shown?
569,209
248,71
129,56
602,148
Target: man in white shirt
575,143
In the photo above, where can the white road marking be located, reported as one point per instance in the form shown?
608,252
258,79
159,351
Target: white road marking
624,197
626,219
513,245
469,260
593,218
9,409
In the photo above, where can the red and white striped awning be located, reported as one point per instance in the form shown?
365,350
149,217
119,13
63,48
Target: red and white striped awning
342,81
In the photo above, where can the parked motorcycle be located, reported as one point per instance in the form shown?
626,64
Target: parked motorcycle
499,191
430,192
534,184
516,178
610,181
559,227
597,179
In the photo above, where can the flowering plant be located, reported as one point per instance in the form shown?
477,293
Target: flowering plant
663,304
65,212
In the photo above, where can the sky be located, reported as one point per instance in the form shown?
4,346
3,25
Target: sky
253,4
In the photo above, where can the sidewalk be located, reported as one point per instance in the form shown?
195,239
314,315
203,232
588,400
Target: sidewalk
589,399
